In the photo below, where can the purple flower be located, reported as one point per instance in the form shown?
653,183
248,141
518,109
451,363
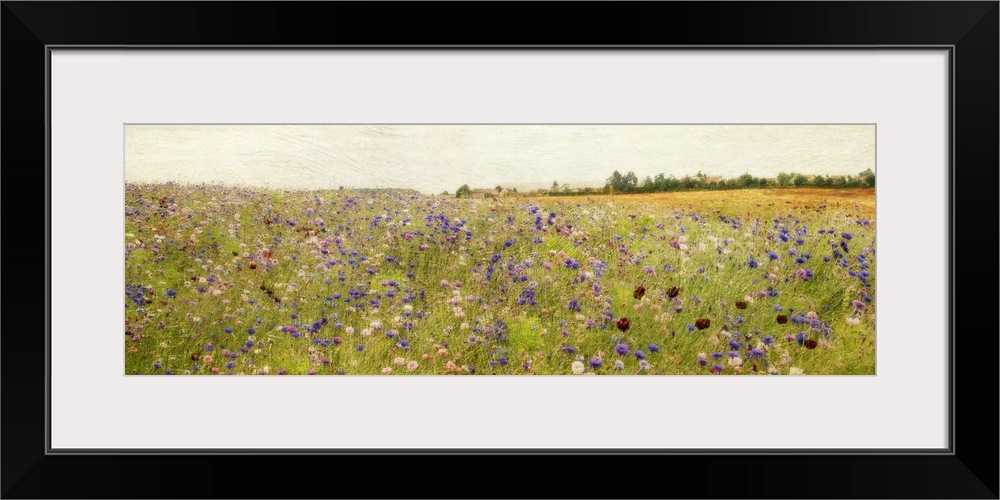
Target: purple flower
621,349
653,348
596,362
639,354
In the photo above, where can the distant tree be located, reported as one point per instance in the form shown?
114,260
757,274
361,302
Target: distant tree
631,181
867,177
839,181
783,179
819,181
498,189
800,180
648,184
464,192
614,183
444,193
746,180
555,185
660,182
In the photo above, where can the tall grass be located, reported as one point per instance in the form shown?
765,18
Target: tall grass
249,281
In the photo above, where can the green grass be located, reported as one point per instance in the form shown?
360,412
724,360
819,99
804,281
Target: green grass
210,248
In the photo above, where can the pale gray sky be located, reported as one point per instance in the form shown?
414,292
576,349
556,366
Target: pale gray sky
435,158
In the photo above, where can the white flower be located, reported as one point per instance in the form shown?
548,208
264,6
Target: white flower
853,321
794,371
578,368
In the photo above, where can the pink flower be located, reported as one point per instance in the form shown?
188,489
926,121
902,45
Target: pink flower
387,370
412,365
207,359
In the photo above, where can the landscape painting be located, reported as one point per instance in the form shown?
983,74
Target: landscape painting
478,249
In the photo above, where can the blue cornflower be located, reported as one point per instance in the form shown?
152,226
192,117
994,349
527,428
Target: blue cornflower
596,362
228,329
157,365
639,354
653,348
621,349
771,255
360,347
171,293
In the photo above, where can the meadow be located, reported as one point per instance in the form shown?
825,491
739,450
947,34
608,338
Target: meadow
233,280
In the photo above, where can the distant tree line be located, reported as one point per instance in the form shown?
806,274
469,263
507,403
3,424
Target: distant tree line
630,183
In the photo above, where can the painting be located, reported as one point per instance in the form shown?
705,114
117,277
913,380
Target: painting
499,249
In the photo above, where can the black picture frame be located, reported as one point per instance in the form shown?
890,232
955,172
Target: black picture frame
970,29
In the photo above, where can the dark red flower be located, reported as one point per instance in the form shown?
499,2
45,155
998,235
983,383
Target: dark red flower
673,291
639,292
781,319
810,344
623,324
702,323
741,304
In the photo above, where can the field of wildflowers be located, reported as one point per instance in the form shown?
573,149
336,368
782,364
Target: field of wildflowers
230,280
